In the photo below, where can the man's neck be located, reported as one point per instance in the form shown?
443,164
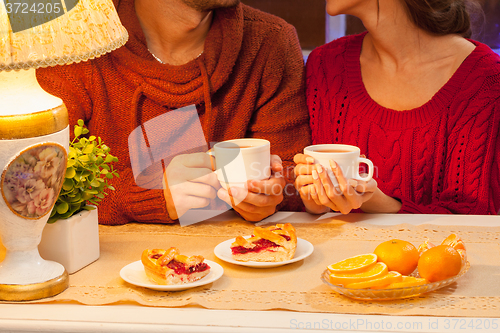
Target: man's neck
175,33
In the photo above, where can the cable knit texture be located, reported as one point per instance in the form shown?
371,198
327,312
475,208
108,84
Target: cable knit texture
249,82
440,158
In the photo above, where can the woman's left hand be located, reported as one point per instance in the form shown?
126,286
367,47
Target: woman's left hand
351,194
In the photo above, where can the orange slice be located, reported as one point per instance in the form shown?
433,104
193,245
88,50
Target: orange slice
391,277
463,255
425,246
354,264
454,241
407,281
377,270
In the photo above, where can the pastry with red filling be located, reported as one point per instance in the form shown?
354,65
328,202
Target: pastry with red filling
272,244
169,267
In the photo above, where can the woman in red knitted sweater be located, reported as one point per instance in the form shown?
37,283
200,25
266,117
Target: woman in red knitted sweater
420,100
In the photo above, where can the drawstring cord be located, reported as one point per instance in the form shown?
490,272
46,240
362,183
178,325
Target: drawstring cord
135,110
206,92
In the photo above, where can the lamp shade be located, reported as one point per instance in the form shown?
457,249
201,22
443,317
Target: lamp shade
46,33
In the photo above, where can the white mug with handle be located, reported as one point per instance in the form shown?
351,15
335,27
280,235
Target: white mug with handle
347,158
240,160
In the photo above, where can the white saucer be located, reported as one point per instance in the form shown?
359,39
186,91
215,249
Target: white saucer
134,274
223,252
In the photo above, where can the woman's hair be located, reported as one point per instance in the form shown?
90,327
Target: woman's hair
444,17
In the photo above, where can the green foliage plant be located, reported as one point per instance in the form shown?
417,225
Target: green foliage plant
88,171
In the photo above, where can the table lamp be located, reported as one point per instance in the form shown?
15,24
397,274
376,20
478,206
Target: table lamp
34,131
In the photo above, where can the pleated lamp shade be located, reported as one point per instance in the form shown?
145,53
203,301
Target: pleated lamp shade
56,32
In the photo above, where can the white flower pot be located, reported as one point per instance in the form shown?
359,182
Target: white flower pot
72,242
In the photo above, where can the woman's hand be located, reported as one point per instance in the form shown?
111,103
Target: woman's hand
319,194
351,194
305,185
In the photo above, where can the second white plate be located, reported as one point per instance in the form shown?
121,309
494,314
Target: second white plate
134,274
223,252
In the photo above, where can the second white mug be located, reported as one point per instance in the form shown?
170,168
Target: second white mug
347,157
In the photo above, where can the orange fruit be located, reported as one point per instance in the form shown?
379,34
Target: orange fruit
354,264
400,256
384,280
454,241
425,246
373,272
407,281
439,263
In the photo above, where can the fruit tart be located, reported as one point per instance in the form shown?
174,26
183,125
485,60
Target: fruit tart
272,244
168,267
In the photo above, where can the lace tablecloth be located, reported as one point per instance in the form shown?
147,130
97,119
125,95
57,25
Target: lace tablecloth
297,286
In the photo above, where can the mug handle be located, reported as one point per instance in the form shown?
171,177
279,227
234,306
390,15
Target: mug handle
370,169
212,158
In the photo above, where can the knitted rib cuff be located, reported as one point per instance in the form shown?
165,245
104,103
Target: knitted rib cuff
409,207
148,206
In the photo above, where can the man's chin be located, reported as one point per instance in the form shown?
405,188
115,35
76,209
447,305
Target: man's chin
207,5
228,3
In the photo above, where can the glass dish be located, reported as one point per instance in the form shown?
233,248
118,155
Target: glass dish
391,294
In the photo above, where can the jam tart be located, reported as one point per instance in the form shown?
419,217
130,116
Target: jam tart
272,244
169,267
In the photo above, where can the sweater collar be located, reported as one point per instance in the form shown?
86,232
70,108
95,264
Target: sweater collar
442,99
177,86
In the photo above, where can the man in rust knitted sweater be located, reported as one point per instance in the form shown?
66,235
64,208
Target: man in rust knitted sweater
240,69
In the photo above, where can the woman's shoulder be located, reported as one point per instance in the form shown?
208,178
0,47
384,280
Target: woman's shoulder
335,48
478,96
483,63
477,81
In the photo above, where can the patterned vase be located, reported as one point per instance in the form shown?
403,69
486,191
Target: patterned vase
33,157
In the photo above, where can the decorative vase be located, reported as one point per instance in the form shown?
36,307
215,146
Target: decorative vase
72,242
34,140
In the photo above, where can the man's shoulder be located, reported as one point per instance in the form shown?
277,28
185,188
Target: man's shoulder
266,20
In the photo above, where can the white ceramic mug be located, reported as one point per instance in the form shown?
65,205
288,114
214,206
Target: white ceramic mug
240,160
347,157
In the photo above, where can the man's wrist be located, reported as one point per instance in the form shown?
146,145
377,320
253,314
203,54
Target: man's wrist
169,203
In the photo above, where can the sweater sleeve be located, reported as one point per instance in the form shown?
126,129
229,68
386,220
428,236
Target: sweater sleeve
66,83
281,113
130,202
471,183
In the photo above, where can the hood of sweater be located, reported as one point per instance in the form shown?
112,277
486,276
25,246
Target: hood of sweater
191,83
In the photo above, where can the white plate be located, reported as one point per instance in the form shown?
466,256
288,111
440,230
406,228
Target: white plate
223,252
134,274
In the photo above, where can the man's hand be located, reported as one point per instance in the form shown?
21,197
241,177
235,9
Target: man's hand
189,182
262,196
